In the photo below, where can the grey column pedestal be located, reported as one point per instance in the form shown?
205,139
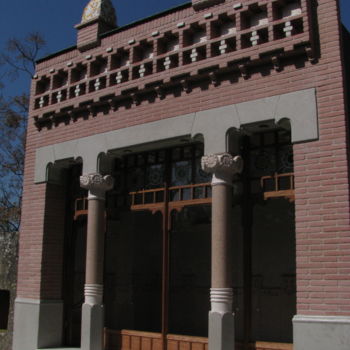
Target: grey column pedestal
92,327
221,331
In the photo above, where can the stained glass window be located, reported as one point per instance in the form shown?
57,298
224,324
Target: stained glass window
269,153
176,166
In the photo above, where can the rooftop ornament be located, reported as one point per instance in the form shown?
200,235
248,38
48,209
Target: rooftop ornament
100,10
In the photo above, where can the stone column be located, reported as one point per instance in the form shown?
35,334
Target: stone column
221,319
92,313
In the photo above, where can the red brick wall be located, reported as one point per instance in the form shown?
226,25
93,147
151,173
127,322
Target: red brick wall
322,189
88,34
52,255
322,192
41,242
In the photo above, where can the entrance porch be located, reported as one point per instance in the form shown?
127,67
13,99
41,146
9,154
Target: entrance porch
158,242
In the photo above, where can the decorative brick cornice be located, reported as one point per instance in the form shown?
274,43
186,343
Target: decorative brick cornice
189,52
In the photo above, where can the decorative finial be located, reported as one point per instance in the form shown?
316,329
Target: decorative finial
100,9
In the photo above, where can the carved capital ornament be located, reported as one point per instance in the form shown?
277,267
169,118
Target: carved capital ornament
223,166
97,185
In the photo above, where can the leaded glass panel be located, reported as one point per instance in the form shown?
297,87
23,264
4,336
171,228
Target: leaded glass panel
270,153
201,176
177,166
135,179
263,162
181,173
285,159
155,176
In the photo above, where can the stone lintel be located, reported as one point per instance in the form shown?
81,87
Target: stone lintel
298,107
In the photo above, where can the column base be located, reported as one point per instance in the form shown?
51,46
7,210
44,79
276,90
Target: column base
321,332
92,327
37,324
221,331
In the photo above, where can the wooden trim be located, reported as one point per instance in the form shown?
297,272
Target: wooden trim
187,338
277,193
172,204
261,345
201,341
138,333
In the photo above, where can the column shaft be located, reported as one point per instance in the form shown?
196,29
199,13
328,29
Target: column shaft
221,274
95,242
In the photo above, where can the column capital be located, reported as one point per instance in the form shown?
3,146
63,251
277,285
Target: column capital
97,184
223,166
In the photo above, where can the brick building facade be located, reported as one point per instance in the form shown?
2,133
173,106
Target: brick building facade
216,133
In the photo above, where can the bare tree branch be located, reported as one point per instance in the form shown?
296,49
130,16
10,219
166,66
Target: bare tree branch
18,57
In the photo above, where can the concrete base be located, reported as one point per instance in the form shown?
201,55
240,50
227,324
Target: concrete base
321,332
221,331
37,324
92,327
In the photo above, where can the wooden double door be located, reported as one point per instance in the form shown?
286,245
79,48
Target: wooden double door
160,287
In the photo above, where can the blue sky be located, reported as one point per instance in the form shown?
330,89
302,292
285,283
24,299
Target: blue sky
55,19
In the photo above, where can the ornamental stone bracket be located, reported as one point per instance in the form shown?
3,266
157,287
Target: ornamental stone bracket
223,166
97,185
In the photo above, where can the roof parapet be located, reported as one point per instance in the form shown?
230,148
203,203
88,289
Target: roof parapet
98,17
